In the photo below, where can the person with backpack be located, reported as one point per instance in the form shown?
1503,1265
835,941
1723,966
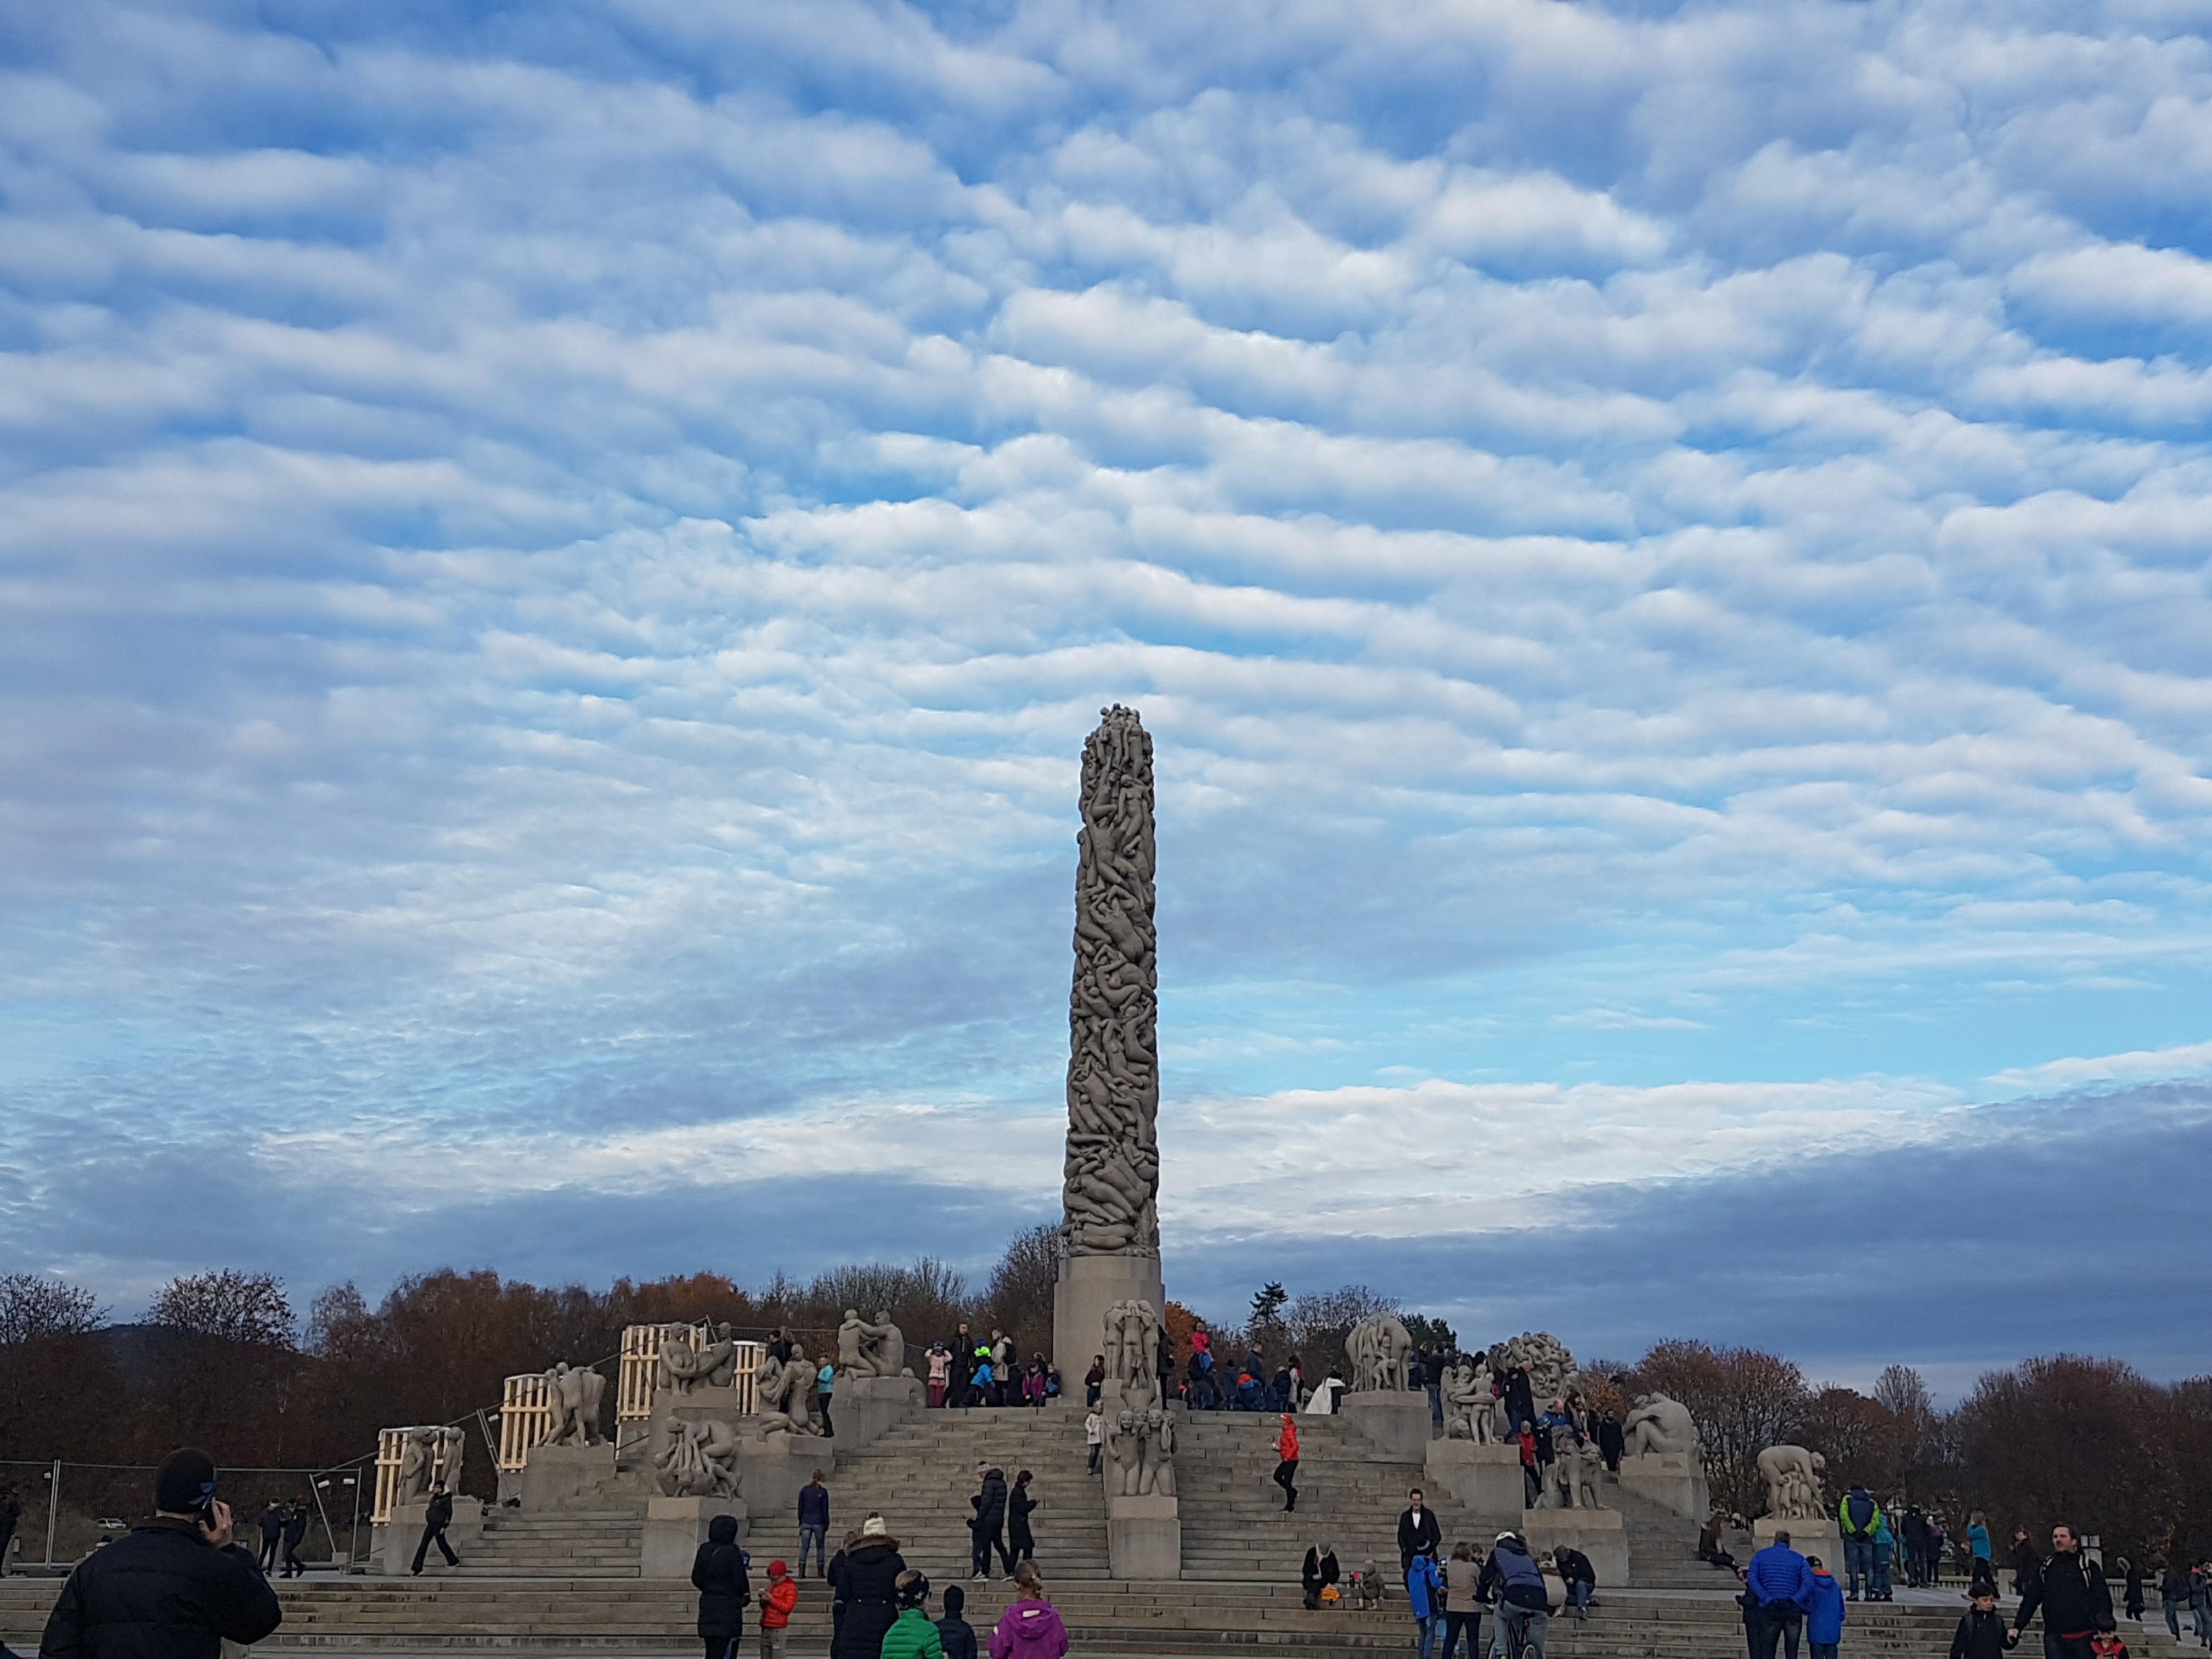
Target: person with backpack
1424,1591
1858,1516
2070,1592
1981,1632
1782,1580
1824,1612
1511,1579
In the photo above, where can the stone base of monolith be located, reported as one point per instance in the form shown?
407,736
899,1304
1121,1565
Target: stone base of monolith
674,1530
392,1545
1598,1533
1822,1538
1396,1420
562,1477
1674,1479
1143,1538
864,1407
1485,1477
1089,1284
772,1469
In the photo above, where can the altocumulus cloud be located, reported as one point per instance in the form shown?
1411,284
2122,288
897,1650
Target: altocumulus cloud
557,564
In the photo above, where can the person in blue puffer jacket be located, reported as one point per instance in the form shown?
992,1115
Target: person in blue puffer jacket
1782,1583
1824,1611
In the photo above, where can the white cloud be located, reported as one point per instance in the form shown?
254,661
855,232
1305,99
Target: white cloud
2191,1060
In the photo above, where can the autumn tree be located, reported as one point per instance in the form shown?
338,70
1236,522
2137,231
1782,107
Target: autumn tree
1743,1400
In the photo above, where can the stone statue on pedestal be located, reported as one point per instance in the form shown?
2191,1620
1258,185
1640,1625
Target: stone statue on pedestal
1381,1354
1589,1477
575,1396
1658,1424
1142,1449
1470,1406
684,1368
1552,1370
430,1456
870,1350
1131,1345
695,1460
1111,1184
786,1393
1793,1483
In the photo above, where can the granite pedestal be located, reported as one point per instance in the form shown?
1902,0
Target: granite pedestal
1599,1533
562,1477
864,1407
1143,1538
1485,1478
1675,1479
1396,1420
1089,1284
772,1468
1821,1538
674,1530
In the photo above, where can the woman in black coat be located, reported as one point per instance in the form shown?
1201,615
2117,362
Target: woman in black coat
869,1585
717,1573
1019,1506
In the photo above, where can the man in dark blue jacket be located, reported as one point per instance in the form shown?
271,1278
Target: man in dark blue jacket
1859,1517
813,1524
1782,1583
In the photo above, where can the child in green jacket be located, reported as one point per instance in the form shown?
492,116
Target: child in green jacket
911,1634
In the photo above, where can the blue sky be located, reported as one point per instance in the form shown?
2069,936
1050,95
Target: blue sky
556,564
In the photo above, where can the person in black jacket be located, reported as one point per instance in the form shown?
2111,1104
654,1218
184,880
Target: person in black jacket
2025,1560
1020,1504
1318,1571
1981,1632
954,1633
435,1519
869,1585
717,1573
172,1587
272,1534
2076,1600
990,1524
1418,1531
295,1534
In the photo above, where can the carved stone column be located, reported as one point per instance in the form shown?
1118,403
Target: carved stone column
1110,1192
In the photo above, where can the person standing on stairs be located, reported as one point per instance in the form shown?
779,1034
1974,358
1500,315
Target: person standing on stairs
912,1634
1029,1628
1286,1467
814,1524
954,1632
717,1573
1418,1531
1463,1605
776,1608
825,1382
1019,1503
873,1567
1424,1590
1094,1434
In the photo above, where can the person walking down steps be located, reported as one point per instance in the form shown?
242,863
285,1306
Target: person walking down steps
990,1524
1286,1467
1020,1505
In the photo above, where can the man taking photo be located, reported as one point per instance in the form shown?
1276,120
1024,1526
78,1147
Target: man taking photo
172,1587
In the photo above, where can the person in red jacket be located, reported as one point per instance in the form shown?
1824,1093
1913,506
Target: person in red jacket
776,1604
1286,1471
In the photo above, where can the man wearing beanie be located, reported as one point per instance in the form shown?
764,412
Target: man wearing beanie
172,1587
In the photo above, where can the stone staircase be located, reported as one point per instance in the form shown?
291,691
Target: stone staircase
601,1542
1105,1621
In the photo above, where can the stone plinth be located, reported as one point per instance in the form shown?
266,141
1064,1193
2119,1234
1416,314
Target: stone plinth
1598,1533
772,1469
1143,1538
1089,1284
563,1477
393,1543
1485,1478
701,1405
1821,1538
674,1530
863,1407
1396,1420
1673,1478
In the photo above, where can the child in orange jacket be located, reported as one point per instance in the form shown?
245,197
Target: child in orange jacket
782,1597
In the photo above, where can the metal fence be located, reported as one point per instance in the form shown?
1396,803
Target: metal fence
68,1508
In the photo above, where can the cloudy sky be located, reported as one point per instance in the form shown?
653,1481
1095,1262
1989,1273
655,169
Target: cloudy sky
557,562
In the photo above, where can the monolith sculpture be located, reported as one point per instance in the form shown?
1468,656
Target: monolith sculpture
1111,1188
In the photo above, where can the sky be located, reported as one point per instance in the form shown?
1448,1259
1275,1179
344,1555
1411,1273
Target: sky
555,563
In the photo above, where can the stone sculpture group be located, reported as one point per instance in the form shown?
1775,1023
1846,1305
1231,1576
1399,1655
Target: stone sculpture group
786,1393
1381,1352
1470,1401
1658,1426
1141,1440
1112,1176
1793,1483
870,1350
684,1367
429,1458
574,1394
1553,1373
1574,1478
695,1460
1142,1451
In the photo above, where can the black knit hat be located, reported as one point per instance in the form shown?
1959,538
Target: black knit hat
184,1481
912,1588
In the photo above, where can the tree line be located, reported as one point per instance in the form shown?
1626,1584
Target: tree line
223,1360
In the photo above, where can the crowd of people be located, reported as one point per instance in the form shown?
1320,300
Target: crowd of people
966,1370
